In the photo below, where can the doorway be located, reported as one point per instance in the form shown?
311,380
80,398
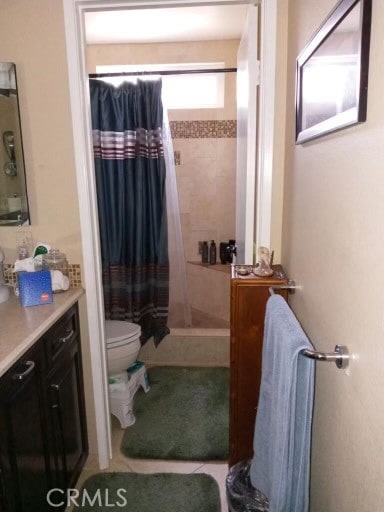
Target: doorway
195,52
74,15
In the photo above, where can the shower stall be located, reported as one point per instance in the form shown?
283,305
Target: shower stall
199,150
200,163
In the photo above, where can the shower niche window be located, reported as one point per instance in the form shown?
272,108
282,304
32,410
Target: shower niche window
13,190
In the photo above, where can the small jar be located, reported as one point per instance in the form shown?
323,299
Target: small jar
56,260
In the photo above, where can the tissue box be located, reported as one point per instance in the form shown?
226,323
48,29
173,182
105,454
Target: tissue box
35,288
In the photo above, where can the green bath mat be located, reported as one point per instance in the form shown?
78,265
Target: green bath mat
184,416
161,492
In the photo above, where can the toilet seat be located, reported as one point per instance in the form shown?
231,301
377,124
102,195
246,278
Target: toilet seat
120,333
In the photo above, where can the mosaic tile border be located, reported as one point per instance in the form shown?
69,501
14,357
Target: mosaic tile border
203,129
73,270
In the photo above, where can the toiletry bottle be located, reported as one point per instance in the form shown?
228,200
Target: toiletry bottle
22,251
212,253
223,252
204,254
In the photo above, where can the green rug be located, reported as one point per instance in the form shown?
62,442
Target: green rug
161,492
184,416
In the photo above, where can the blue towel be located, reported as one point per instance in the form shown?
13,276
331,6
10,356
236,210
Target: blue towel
281,461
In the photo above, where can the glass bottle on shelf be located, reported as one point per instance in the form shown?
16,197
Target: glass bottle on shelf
204,257
212,253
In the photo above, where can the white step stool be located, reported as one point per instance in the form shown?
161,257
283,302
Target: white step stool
121,401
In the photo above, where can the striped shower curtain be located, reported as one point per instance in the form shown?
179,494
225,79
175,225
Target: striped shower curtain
130,179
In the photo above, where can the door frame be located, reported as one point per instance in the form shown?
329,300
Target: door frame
74,11
248,75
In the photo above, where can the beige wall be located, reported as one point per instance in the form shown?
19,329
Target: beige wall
279,137
334,247
169,53
32,36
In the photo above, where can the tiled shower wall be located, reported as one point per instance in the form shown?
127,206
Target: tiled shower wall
206,181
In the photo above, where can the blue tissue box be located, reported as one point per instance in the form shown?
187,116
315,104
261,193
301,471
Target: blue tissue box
35,288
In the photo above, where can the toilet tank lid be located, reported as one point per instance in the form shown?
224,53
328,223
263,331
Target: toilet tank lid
117,330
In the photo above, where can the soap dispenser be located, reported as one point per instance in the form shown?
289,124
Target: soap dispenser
4,290
204,254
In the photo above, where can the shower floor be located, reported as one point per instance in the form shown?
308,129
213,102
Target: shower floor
199,319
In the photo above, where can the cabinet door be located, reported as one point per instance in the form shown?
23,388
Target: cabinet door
24,463
67,414
247,325
248,304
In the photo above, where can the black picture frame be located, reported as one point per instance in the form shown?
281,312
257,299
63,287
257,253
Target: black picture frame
332,72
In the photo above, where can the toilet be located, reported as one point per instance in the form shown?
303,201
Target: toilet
123,347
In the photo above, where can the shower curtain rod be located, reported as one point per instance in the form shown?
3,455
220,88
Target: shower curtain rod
165,72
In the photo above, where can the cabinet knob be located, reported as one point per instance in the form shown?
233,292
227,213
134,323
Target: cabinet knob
20,376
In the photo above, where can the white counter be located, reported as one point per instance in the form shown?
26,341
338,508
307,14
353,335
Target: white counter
21,327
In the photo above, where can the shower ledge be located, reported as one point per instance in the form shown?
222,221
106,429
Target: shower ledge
218,266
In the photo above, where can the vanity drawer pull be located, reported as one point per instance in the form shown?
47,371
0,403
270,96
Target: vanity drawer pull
20,376
66,338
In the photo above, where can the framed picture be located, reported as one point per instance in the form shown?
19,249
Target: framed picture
332,72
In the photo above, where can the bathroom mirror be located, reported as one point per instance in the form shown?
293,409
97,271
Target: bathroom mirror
13,190
332,72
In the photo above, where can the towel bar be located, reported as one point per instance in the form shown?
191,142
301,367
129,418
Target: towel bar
290,286
340,356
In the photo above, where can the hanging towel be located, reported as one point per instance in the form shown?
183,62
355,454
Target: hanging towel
281,461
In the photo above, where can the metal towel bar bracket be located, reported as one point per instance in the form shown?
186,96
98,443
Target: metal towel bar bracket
290,286
340,356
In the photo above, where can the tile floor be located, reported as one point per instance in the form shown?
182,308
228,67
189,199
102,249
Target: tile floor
121,463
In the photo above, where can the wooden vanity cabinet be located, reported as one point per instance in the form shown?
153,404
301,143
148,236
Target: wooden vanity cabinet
64,384
43,437
249,296
24,450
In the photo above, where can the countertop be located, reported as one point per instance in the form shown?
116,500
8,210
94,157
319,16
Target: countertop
21,327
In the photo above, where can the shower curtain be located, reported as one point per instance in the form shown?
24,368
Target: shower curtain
179,306
130,179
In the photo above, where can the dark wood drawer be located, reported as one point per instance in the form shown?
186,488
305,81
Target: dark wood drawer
61,336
